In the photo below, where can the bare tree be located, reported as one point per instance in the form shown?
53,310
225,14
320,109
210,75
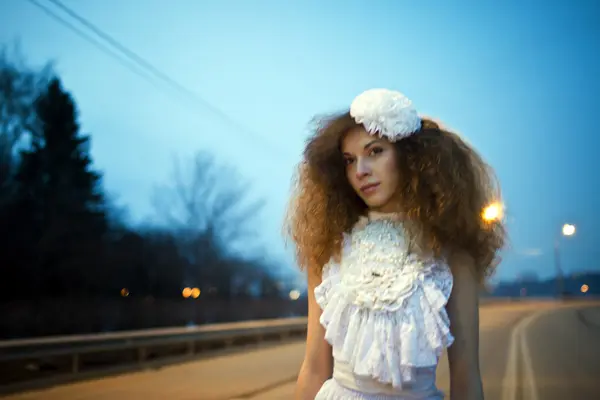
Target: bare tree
212,216
20,85
210,203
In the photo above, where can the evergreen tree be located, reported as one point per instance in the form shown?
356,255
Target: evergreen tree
60,198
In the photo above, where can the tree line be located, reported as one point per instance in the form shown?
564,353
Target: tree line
62,236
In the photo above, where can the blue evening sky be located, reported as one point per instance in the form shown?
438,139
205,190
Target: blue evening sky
518,78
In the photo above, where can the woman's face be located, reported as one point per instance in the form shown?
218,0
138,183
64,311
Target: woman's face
372,169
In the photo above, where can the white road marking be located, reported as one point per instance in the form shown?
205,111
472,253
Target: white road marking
509,383
518,346
528,374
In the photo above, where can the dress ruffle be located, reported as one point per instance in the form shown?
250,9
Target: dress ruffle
383,310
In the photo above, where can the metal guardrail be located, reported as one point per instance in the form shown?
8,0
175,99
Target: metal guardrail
75,353
74,357
226,333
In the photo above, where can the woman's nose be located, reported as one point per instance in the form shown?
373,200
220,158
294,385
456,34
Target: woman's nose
362,169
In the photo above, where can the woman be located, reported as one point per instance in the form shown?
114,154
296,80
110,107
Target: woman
387,221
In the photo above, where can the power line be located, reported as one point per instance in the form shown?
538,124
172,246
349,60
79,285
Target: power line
134,56
90,39
140,61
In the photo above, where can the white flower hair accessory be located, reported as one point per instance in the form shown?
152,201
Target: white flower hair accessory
385,112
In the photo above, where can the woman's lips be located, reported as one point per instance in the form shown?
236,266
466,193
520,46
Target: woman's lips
370,188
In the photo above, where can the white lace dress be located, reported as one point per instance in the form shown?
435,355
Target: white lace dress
383,310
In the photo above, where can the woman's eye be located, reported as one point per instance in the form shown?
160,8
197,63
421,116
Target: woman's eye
348,161
375,150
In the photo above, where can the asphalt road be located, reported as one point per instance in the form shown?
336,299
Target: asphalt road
529,351
558,355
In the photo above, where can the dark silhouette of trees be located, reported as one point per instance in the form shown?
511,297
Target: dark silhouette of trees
20,85
145,263
66,248
59,196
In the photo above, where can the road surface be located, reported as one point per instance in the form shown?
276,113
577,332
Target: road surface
529,351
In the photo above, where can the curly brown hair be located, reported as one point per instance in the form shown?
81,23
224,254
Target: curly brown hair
445,187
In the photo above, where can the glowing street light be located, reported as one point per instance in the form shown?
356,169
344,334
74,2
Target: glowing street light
568,230
294,294
493,212
584,288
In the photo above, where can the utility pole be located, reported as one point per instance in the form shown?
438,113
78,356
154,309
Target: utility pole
559,274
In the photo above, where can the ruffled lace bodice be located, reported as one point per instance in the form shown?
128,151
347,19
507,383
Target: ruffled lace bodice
383,307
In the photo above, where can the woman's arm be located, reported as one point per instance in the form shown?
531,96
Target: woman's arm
317,366
463,310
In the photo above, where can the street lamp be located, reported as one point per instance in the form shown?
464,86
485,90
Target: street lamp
493,212
567,230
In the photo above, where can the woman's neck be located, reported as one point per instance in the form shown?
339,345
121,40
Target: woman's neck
378,215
